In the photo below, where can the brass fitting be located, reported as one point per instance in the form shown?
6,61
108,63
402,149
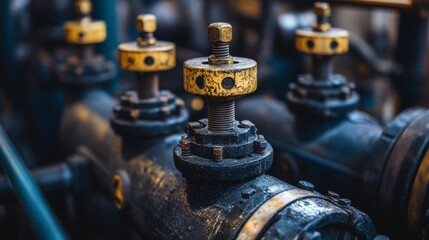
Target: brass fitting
322,39
83,7
323,12
220,32
146,24
84,30
147,54
220,75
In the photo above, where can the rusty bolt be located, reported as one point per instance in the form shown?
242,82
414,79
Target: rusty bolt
260,144
322,9
146,23
220,32
217,153
185,145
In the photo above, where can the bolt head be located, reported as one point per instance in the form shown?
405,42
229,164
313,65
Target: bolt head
184,142
260,143
220,32
322,9
83,7
218,151
146,23
246,124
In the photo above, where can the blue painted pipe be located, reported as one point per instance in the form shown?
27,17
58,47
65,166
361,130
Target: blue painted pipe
41,217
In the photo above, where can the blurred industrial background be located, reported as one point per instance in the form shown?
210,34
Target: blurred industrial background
347,122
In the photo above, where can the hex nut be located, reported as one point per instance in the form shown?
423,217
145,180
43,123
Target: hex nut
218,153
146,23
220,32
83,7
322,9
260,144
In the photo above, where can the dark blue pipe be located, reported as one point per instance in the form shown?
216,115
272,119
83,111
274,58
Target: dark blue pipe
40,216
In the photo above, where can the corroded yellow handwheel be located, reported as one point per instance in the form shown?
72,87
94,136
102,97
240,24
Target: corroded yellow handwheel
220,75
147,54
84,30
322,39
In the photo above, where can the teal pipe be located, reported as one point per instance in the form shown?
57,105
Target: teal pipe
40,216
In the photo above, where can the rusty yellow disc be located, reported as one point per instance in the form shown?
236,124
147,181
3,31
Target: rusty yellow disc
85,32
333,42
228,80
152,58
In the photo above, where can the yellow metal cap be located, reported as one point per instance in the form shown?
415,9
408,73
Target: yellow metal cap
322,39
84,30
147,54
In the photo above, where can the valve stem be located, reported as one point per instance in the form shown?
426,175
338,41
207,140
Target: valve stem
147,85
221,115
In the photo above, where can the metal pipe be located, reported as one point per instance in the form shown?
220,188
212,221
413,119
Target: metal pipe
58,177
40,216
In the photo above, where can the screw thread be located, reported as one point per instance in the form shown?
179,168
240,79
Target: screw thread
221,115
146,35
220,50
147,85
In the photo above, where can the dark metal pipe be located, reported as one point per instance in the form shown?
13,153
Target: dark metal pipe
380,169
153,188
50,179
39,213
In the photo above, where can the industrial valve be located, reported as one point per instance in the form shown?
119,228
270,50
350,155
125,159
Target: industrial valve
244,203
220,148
322,93
85,68
148,111
383,170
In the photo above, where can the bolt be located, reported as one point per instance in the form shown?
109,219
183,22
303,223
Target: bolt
246,194
195,125
322,9
246,124
146,23
220,34
323,12
185,145
260,144
131,96
333,195
344,202
221,115
217,153
306,185
83,7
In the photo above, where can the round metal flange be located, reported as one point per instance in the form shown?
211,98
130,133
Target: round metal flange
81,73
160,56
329,99
150,128
231,169
226,80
